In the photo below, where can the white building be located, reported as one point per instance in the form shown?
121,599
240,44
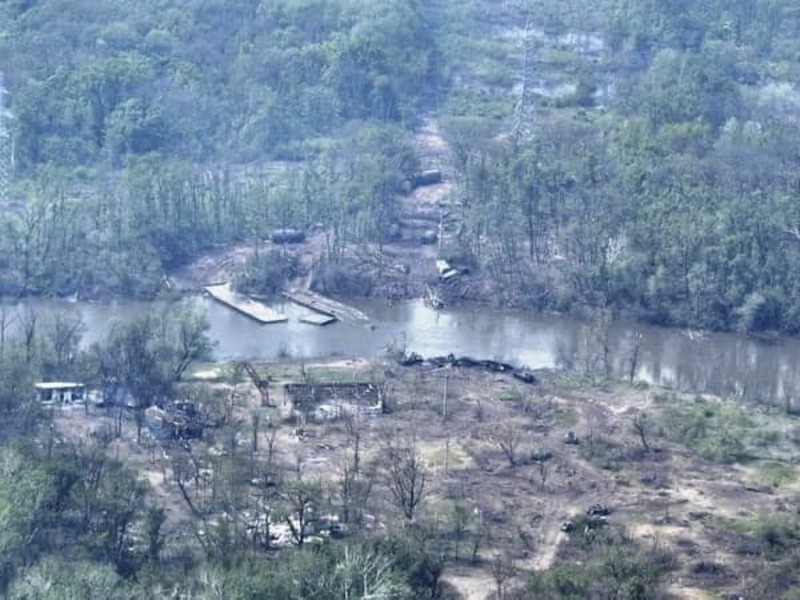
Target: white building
62,392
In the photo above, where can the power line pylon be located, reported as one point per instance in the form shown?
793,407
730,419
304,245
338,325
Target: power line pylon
524,112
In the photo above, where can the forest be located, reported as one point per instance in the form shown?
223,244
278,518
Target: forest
629,157
654,175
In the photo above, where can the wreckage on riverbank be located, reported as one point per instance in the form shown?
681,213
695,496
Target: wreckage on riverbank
493,366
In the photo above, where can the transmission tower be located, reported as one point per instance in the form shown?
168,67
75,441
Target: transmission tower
5,145
524,114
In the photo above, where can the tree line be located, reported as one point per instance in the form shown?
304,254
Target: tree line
244,80
668,197
674,198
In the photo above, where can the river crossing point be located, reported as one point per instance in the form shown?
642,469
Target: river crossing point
248,307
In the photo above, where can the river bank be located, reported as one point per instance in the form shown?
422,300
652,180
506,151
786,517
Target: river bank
758,370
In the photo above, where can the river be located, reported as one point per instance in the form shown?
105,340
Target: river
720,363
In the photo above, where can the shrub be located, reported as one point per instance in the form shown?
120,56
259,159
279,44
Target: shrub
266,274
339,279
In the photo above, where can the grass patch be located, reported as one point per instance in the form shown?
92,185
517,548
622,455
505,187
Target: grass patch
775,537
315,374
510,395
477,103
605,564
776,473
565,416
575,381
602,452
555,57
716,431
331,374
436,454
739,526
206,371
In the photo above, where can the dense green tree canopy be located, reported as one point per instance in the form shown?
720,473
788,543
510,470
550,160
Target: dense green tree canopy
95,82
658,179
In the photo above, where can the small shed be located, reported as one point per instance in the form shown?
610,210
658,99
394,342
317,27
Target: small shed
63,392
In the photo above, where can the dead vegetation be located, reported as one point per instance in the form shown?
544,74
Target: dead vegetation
483,463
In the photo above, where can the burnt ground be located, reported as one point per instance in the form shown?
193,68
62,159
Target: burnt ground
698,497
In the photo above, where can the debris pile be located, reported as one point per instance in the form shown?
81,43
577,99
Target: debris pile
492,366
179,420
330,401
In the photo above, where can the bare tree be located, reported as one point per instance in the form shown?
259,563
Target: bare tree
139,417
7,319
233,396
92,461
633,359
788,393
595,345
302,500
543,463
184,472
480,535
508,439
460,518
641,427
256,421
590,441
64,333
29,319
355,485
368,574
503,570
602,337
406,477
265,493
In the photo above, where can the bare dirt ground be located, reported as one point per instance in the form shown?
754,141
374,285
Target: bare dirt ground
481,455
217,266
147,457
225,263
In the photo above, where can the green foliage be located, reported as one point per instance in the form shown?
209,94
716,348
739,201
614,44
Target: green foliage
23,496
56,579
118,142
73,503
779,579
673,203
265,274
146,356
716,431
340,279
603,564
196,80
326,571
776,537
669,200
777,473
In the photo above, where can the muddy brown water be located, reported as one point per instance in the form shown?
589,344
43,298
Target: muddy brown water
721,363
